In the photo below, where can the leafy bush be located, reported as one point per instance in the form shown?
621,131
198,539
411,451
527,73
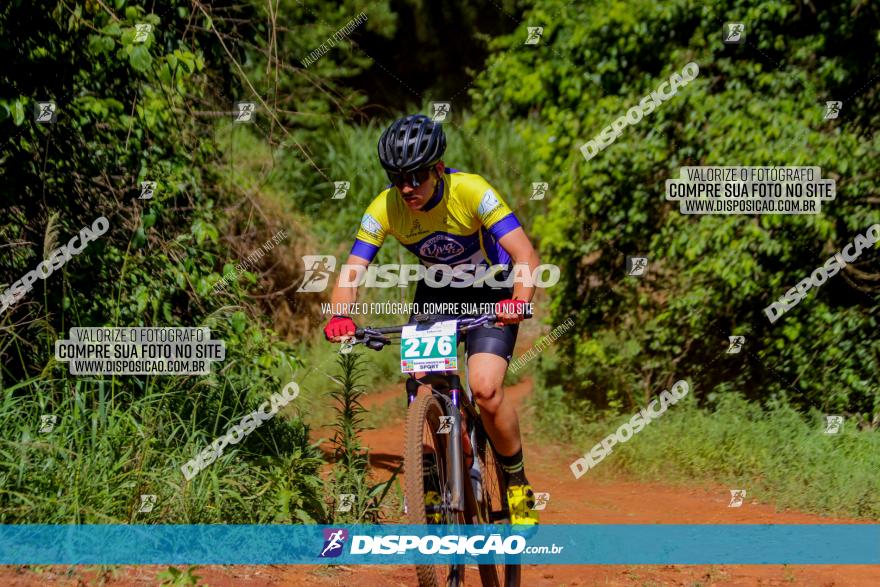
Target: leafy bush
131,111
709,277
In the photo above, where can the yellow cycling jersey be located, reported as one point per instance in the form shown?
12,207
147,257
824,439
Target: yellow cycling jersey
461,223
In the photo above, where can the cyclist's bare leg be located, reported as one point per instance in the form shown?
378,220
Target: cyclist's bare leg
485,377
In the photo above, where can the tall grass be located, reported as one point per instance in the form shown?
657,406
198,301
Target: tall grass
776,453
112,444
118,438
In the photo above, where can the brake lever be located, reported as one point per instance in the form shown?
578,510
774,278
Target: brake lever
377,343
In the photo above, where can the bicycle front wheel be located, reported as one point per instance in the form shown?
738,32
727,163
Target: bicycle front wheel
427,489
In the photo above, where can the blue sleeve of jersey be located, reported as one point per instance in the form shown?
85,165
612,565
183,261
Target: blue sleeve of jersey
504,226
366,250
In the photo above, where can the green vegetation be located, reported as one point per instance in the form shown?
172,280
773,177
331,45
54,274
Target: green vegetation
709,276
776,454
350,456
160,110
130,112
174,576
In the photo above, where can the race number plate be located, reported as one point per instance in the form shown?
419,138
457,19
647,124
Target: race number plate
429,349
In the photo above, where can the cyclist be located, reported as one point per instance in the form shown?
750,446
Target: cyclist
445,216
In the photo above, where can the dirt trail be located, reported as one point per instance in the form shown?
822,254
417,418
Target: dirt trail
585,501
572,501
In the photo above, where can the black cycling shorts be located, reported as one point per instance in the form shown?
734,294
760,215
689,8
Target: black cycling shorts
496,340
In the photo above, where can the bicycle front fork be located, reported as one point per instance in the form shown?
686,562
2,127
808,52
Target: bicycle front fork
454,460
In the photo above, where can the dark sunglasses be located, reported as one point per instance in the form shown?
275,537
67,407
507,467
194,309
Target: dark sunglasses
415,179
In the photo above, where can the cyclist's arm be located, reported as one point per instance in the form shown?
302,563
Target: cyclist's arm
344,296
520,249
494,213
370,236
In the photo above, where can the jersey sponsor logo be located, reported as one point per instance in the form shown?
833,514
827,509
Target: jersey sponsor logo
371,225
416,229
441,247
488,204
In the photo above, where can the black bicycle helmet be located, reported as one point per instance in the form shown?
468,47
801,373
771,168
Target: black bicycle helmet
411,143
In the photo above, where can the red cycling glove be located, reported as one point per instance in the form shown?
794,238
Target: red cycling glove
514,306
339,326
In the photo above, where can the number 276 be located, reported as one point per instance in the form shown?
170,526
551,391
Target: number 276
444,346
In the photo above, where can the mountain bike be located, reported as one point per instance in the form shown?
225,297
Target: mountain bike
452,471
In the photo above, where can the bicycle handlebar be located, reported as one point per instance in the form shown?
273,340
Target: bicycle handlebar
374,337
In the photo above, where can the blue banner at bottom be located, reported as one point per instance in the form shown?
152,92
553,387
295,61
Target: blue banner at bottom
622,544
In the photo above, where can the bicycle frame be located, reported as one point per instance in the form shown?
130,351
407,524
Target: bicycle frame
441,382
461,496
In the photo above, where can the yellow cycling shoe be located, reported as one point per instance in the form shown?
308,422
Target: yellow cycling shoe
521,500
432,498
